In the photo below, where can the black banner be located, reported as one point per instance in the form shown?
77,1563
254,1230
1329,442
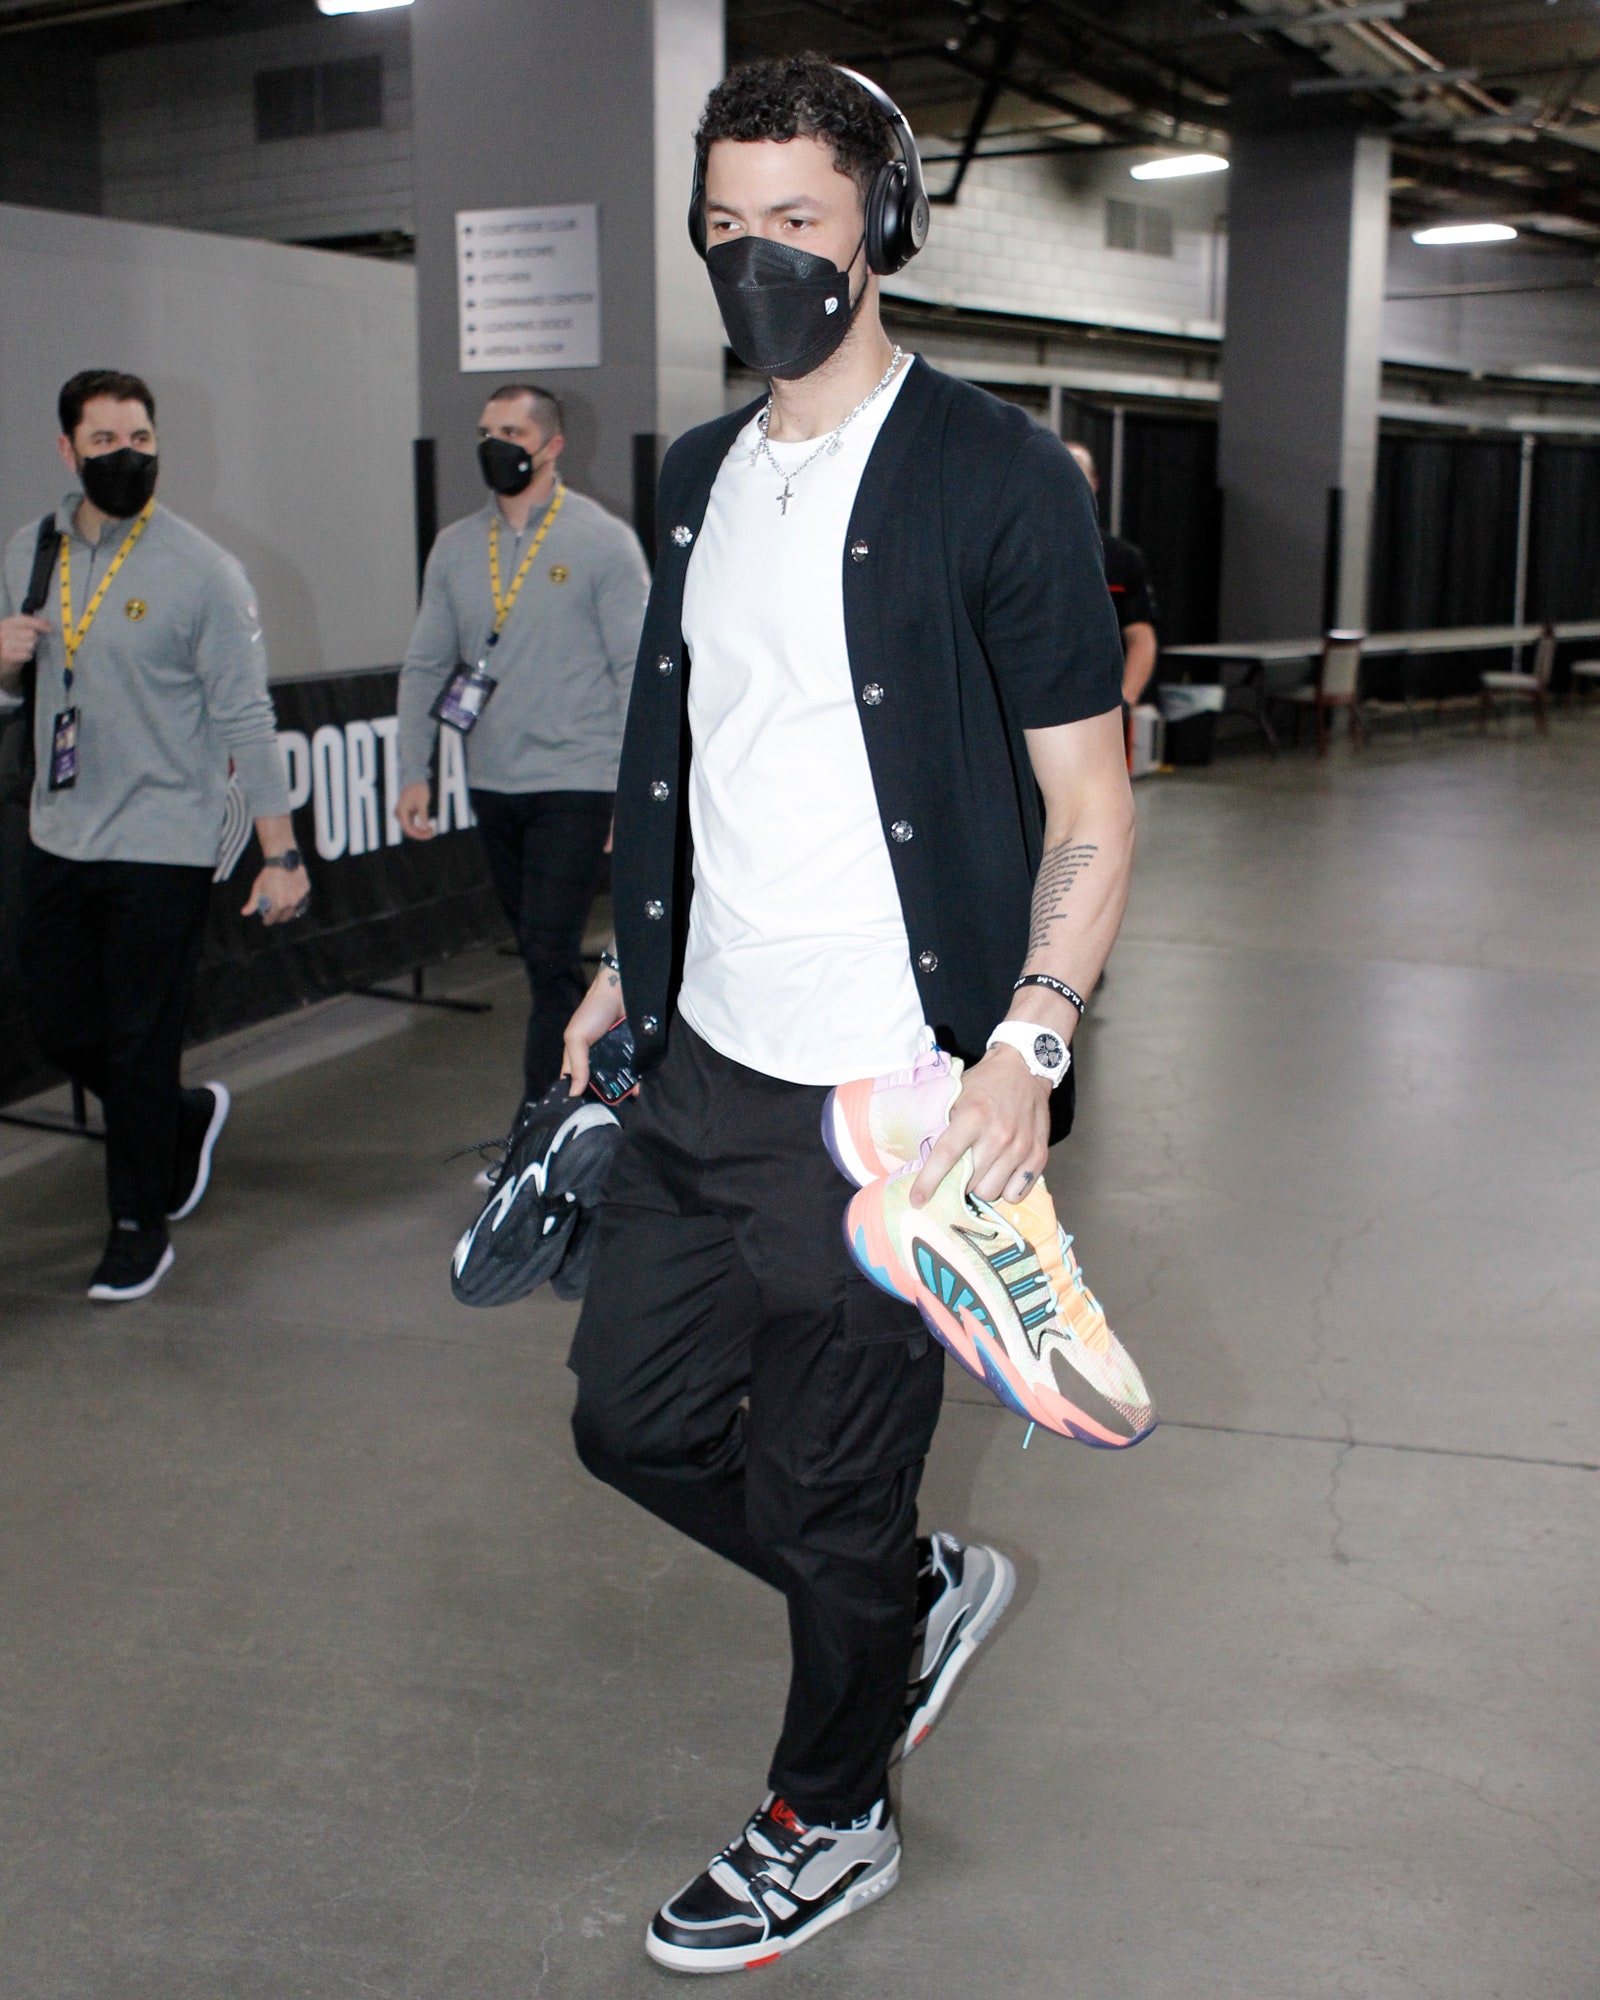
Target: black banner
379,905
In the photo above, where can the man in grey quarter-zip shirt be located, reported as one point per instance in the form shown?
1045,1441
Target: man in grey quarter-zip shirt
149,676
559,645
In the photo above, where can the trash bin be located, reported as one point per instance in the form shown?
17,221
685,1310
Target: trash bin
1191,717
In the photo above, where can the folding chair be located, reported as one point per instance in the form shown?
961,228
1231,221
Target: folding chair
1336,683
1534,687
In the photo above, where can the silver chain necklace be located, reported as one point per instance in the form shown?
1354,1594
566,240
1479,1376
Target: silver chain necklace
829,445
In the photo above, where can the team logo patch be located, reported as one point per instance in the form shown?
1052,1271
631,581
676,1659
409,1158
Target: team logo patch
136,608
559,572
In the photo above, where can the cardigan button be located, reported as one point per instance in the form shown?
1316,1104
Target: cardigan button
928,961
659,790
682,535
664,664
859,551
902,830
872,694
655,909
649,1025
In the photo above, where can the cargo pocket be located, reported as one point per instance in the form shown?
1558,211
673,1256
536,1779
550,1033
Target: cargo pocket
884,1379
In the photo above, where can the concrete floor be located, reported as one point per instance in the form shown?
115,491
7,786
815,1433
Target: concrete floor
325,1671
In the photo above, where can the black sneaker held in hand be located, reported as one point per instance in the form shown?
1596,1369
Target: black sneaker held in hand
549,1182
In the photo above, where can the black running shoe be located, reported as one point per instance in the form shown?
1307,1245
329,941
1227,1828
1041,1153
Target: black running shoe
961,1591
556,1162
202,1114
778,1885
135,1262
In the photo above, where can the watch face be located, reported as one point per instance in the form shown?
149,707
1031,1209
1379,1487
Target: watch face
1049,1052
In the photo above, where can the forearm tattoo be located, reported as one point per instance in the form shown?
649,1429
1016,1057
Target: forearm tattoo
1058,871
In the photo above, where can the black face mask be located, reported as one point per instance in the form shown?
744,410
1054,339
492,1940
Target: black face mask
507,468
119,482
785,309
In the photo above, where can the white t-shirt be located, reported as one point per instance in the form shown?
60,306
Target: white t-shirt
797,962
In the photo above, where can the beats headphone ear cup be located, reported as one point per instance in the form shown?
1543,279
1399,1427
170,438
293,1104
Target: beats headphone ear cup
697,212
886,197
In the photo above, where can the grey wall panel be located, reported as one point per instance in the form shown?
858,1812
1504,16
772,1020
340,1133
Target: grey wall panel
1307,234
538,103
532,102
286,386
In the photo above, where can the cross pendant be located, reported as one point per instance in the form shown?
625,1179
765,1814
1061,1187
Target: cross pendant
783,498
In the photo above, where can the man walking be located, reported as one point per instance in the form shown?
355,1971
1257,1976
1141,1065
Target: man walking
143,644
878,624
524,642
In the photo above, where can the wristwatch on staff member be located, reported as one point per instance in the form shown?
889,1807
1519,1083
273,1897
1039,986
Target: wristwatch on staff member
289,858
1042,1049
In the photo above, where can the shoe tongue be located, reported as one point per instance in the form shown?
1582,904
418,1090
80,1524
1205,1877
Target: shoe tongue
783,1814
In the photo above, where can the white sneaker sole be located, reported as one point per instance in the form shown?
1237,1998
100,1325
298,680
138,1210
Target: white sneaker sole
978,1628
202,1179
111,1295
746,1958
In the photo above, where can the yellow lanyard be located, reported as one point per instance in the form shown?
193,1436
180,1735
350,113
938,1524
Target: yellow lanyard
502,605
73,636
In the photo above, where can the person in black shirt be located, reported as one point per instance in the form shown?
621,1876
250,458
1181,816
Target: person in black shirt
1129,584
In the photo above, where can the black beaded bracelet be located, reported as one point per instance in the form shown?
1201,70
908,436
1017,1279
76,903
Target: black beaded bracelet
1056,986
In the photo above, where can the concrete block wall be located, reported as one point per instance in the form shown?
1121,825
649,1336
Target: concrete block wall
1029,236
1554,323
178,140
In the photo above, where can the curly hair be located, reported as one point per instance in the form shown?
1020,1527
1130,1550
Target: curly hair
799,97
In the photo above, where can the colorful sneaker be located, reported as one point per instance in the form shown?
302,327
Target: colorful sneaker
962,1590
998,1284
883,1123
780,1883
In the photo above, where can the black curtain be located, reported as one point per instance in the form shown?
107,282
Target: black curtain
1172,510
1564,540
1444,549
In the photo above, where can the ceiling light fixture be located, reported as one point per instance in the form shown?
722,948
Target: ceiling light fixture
1179,167
357,6
1465,232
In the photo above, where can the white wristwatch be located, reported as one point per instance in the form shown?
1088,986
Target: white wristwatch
1042,1049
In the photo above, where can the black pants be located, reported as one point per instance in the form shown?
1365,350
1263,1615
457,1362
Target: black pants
108,955
740,1379
544,850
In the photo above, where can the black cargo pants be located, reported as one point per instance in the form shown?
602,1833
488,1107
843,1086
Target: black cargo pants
740,1379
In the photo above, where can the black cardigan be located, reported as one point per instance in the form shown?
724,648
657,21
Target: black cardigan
975,608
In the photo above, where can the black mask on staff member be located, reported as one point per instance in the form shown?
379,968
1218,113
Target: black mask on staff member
785,309
120,482
507,468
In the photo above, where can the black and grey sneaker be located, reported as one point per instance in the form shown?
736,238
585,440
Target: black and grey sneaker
961,1591
135,1262
553,1169
780,1883
202,1113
